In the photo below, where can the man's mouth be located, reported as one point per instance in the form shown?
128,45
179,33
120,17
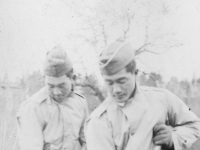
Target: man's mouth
120,96
57,97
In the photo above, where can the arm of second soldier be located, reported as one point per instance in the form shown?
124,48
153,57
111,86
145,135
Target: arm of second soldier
30,136
98,134
184,125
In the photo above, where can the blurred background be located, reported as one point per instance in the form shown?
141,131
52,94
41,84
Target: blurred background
164,34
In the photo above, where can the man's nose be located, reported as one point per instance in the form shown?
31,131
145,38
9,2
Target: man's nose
116,89
56,91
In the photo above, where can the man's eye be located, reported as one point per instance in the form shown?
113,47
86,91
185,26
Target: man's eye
51,87
109,83
62,86
121,81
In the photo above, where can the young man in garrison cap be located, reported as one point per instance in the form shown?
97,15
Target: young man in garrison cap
134,117
53,118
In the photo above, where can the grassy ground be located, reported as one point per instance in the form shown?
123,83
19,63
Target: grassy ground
9,103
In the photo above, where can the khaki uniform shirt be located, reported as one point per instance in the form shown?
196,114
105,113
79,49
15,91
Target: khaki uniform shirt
129,126
45,124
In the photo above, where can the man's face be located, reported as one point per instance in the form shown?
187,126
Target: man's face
120,85
59,87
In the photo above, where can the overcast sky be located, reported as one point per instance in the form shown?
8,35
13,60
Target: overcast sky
29,28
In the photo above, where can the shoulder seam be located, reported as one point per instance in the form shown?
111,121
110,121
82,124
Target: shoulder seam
39,97
100,110
144,88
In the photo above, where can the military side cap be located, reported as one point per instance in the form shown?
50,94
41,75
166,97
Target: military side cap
116,57
57,63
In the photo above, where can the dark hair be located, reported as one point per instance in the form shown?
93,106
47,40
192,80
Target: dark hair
131,67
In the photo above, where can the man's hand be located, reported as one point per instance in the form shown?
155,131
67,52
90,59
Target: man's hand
163,135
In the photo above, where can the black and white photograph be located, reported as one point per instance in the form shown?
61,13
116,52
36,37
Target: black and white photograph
99,75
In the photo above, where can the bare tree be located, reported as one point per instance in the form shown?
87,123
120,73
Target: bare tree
139,21
103,21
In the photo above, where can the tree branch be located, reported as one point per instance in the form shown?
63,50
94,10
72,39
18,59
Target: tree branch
103,32
141,49
155,52
128,26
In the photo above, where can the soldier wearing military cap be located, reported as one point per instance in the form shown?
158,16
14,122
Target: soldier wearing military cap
53,118
133,117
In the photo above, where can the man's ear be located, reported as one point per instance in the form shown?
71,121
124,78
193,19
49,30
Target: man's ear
74,77
136,71
72,89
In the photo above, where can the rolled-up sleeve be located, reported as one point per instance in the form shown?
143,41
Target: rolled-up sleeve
185,124
30,126
98,135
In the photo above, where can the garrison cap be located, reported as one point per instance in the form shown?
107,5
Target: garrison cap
57,63
116,57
